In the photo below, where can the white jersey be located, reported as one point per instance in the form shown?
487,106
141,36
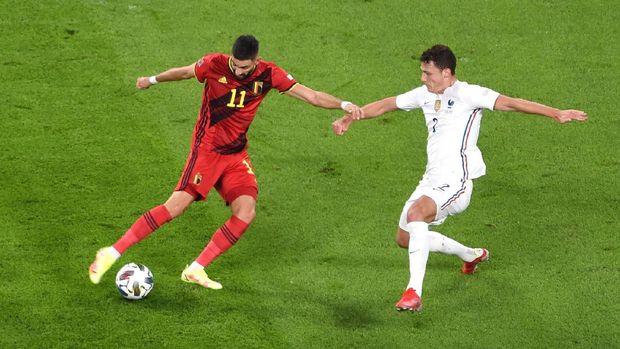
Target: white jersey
453,122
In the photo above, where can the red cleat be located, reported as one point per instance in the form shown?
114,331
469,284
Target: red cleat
409,301
470,267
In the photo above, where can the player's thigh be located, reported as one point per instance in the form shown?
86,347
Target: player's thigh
456,201
238,180
451,196
202,170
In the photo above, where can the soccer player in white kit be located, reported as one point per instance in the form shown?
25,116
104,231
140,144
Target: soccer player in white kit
452,110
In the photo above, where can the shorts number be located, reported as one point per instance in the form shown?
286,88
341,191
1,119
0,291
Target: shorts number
233,93
442,187
247,164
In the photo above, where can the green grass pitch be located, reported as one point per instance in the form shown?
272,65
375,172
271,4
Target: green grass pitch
83,154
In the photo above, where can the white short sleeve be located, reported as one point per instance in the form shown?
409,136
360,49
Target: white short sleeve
411,100
481,97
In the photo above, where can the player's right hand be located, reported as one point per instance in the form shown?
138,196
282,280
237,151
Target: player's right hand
341,125
143,83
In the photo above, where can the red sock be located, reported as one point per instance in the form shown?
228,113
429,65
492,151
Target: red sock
223,239
145,225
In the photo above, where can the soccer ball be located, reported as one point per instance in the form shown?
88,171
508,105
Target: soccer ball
134,281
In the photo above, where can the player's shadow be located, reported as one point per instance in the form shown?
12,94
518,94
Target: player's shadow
351,315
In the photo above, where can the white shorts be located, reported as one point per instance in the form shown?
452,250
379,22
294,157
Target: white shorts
450,195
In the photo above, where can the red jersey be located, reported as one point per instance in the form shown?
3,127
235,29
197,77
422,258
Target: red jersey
228,104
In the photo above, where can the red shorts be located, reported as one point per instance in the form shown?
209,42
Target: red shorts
232,175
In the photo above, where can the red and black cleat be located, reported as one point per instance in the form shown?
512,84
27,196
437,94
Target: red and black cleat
470,267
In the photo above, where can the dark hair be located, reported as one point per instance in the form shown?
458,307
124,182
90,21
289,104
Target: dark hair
245,47
441,56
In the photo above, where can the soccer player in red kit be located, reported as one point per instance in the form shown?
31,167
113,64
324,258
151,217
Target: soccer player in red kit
234,87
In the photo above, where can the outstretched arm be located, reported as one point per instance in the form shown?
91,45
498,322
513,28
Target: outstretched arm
370,111
173,74
505,103
322,99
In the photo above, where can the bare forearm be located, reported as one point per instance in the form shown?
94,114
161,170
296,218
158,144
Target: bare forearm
380,107
504,103
174,74
315,98
530,107
524,106
325,100
369,111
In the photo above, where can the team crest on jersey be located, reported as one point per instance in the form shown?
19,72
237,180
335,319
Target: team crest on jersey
450,103
258,87
223,80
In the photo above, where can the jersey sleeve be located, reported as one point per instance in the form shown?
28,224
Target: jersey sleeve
281,80
202,67
410,100
481,97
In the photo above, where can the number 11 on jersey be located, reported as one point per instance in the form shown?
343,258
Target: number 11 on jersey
232,99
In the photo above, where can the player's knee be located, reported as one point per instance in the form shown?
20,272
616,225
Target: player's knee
420,214
244,208
402,239
175,210
415,215
402,242
177,204
246,214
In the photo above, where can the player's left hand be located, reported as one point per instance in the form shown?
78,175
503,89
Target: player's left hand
570,115
341,125
355,111
143,83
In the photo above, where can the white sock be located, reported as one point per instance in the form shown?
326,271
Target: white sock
114,252
418,254
196,265
441,243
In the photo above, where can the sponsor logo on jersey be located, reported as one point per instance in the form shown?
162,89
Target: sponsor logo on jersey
223,80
